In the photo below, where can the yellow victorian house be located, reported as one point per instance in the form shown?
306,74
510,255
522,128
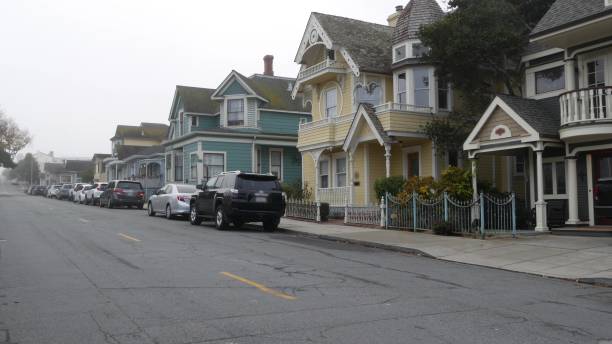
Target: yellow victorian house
371,94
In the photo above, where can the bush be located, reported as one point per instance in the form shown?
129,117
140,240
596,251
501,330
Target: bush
295,191
391,185
456,182
443,228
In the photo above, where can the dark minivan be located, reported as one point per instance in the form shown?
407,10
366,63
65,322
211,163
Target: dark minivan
122,193
238,198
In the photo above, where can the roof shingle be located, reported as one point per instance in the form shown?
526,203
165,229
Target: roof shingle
567,12
542,115
197,100
415,15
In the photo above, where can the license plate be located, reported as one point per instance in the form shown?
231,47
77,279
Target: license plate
261,199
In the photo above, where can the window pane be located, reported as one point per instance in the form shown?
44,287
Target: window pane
421,87
605,168
548,179
235,112
370,95
418,50
341,180
400,53
341,165
443,94
560,166
213,164
331,101
324,182
401,83
550,80
323,167
275,158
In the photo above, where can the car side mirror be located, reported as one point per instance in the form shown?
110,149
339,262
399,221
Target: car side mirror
201,187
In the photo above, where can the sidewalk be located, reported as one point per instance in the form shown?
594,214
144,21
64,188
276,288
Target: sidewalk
583,259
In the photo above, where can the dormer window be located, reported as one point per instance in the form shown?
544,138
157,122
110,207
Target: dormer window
419,50
235,112
399,53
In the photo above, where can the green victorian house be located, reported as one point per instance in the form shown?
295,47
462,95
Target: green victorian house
246,124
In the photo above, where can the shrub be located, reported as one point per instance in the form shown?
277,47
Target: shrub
392,185
456,182
443,228
295,191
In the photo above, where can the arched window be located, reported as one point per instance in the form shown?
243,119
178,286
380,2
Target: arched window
371,94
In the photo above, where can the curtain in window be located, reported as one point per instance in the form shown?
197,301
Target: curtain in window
214,163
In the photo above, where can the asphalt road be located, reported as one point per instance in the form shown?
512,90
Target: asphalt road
80,274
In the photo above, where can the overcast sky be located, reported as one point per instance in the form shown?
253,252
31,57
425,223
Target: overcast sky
71,70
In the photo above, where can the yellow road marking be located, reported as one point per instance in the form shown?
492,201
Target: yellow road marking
261,287
128,237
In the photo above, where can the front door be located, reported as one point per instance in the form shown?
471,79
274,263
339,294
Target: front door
412,165
602,188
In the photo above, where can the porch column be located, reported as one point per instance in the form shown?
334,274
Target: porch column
572,191
541,223
351,179
474,178
388,159
316,159
570,76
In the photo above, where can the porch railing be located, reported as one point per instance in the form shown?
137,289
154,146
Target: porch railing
388,107
314,69
326,121
586,105
336,197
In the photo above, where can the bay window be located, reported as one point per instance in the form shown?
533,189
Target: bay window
235,112
331,103
276,163
421,87
401,89
550,80
324,174
214,164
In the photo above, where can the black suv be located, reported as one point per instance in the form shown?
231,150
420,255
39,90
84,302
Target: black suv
121,193
238,198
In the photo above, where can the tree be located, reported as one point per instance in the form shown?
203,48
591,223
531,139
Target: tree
26,170
477,47
87,176
12,138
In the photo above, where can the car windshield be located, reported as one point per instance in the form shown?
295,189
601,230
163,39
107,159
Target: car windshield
68,186
186,188
262,183
129,186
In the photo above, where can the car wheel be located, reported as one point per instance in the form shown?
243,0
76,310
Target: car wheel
150,211
221,222
238,224
194,219
271,225
168,212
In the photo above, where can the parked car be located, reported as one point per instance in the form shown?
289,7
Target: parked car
64,192
77,187
123,193
79,196
92,196
238,198
39,190
171,200
30,189
53,191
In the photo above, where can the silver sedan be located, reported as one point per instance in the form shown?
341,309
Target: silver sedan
171,200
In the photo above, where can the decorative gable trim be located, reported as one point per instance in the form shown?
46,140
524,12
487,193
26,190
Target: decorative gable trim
351,140
313,35
470,143
233,76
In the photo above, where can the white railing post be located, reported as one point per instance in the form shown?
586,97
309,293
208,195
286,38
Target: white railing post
346,210
383,215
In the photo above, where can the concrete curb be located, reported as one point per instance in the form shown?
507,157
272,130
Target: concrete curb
598,282
370,244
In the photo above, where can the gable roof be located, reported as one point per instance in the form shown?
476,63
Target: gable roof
78,165
368,44
101,156
154,131
366,113
542,115
125,151
415,15
564,13
274,91
197,99
54,168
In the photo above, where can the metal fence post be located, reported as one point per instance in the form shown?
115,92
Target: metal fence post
414,211
383,211
446,207
513,215
318,211
346,205
482,216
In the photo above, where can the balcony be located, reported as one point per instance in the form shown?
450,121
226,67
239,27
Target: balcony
396,117
324,67
331,131
586,114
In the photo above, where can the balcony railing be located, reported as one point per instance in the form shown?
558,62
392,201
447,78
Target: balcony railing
325,122
586,105
387,107
321,66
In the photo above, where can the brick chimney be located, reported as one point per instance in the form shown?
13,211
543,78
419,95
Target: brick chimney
392,20
269,65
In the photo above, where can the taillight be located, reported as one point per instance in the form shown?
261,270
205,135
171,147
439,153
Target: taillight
183,199
118,191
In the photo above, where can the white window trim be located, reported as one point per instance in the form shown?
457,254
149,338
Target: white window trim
191,125
329,180
191,155
585,69
554,161
334,168
405,45
409,150
282,169
530,80
396,75
324,102
215,152
226,111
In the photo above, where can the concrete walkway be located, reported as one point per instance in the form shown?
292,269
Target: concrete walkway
584,259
